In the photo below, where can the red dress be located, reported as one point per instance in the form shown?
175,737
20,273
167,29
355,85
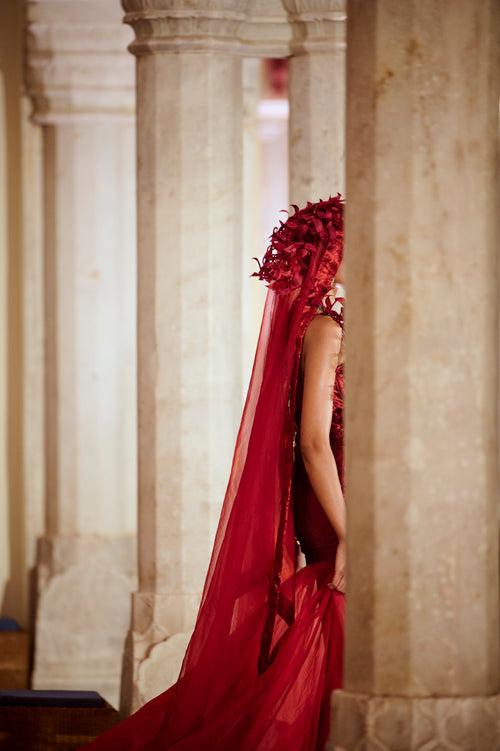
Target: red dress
286,706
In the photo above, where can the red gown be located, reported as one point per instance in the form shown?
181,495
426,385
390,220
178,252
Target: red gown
284,706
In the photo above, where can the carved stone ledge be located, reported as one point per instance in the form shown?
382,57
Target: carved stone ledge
252,27
158,631
83,611
318,25
166,25
407,724
314,8
77,65
266,32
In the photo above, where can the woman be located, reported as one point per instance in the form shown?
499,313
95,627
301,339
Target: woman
266,651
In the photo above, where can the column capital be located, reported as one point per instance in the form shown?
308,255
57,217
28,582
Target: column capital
266,32
77,62
198,26
318,25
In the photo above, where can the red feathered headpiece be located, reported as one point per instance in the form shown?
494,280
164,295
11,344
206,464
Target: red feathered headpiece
317,228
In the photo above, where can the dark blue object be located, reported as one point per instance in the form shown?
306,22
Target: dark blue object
9,624
51,699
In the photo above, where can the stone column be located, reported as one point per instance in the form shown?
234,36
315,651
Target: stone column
189,119
316,93
252,295
422,652
81,81
265,193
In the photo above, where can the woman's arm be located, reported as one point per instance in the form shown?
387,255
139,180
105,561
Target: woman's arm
321,350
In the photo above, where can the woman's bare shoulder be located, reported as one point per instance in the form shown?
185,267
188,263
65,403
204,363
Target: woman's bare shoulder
323,327
323,333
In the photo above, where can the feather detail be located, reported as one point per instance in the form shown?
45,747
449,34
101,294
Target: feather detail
317,228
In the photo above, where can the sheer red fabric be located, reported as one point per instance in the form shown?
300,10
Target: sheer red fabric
267,646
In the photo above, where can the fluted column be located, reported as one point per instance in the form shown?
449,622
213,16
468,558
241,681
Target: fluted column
422,652
317,94
80,78
189,110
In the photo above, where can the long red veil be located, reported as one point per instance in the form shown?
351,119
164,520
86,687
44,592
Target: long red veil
251,668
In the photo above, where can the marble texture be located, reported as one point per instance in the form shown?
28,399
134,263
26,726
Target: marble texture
317,99
421,374
266,31
80,78
77,66
160,669
84,587
33,340
189,100
245,27
378,723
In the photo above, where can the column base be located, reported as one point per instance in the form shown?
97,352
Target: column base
83,612
383,723
161,628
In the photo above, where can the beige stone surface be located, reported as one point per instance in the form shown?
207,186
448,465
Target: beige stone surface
157,619
80,78
254,165
245,27
317,99
89,263
77,61
161,667
266,31
21,326
189,315
265,194
83,613
422,630
90,342
421,433
380,723
33,338
189,318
